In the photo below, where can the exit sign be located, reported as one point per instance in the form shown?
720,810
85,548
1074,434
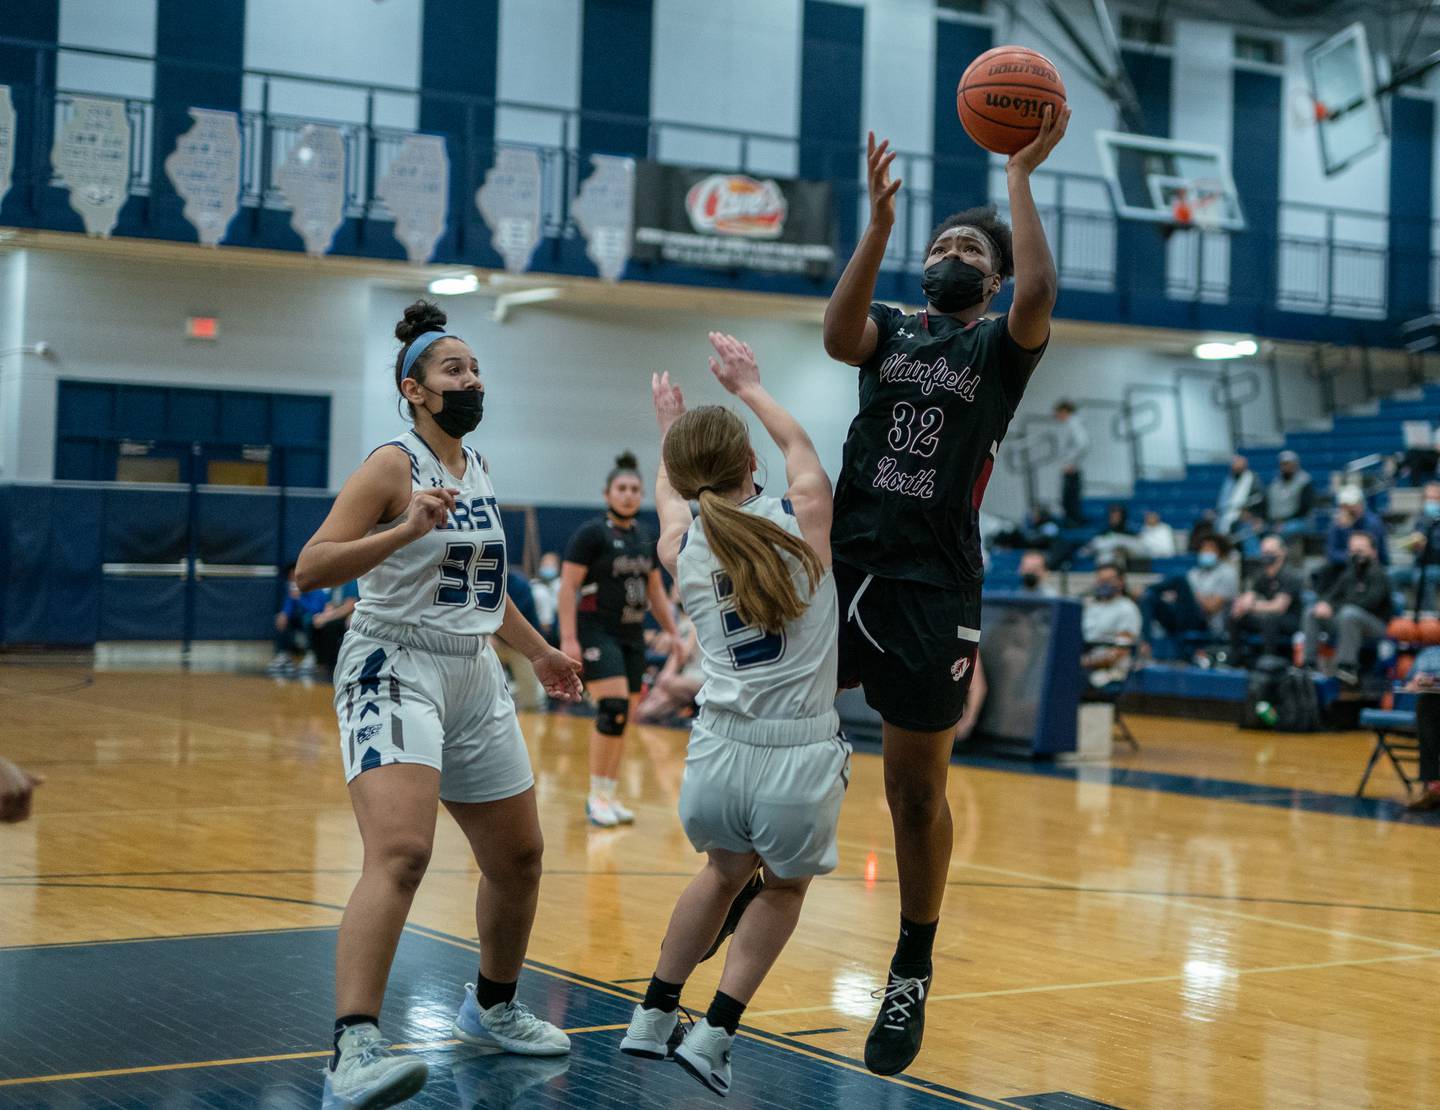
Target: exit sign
202,327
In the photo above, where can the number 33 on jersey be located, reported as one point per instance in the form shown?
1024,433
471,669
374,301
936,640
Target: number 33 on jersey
451,579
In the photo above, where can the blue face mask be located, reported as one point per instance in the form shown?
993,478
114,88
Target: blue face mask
1104,591
1432,508
1207,558
548,574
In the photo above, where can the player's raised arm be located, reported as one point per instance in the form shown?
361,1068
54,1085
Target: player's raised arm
674,510
1036,284
809,486
850,334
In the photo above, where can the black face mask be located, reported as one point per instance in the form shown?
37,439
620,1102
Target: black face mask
618,515
1360,562
461,410
1030,581
953,286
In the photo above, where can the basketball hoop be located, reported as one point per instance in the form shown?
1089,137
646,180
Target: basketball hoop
1198,204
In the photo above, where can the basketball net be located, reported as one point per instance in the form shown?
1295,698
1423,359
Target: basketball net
1197,206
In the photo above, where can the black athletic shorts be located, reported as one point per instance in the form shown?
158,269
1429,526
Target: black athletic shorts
604,654
911,646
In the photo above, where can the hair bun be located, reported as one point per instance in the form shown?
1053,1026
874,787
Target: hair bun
420,317
626,460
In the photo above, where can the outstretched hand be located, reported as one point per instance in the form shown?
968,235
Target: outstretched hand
669,401
878,157
1052,130
736,366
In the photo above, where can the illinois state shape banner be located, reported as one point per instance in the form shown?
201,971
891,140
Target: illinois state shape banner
204,167
91,155
313,181
416,189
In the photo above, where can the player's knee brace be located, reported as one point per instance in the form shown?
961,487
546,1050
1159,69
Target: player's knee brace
611,716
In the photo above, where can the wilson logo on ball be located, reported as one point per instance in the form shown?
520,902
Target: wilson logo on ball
734,204
1028,107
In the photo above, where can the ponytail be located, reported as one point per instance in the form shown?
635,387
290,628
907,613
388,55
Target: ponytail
748,548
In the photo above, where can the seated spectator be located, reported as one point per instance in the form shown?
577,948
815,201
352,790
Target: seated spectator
293,654
1035,576
525,685
327,627
1425,682
1240,491
1117,544
1158,538
1351,515
545,588
1111,626
1290,497
1354,609
1199,600
673,692
17,786
1270,608
1424,544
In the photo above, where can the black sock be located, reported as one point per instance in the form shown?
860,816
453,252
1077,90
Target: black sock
660,995
912,950
725,1012
490,993
344,1023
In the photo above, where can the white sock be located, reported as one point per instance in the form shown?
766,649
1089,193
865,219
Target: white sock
608,787
597,786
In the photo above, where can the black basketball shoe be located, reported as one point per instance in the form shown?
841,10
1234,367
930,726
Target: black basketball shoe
894,1039
737,909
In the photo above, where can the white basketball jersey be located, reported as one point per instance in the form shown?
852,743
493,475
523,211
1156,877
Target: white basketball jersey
451,579
750,672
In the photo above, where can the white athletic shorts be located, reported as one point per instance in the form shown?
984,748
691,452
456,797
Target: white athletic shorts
769,787
406,694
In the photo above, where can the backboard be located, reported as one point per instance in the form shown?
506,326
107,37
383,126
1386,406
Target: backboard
1170,182
1350,123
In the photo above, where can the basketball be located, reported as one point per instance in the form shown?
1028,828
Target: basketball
1003,94
1428,630
1403,630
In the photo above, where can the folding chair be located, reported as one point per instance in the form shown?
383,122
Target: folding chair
1395,740
1111,693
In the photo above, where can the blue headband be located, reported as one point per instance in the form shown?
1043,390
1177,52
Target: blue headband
418,347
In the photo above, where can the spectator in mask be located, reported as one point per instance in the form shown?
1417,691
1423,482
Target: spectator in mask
1240,491
546,591
1118,543
1270,608
1423,542
1351,515
1290,497
1110,624
1200,600
1158,538
1035,576
1354,609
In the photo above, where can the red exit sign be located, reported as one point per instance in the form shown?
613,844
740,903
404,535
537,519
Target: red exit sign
202,327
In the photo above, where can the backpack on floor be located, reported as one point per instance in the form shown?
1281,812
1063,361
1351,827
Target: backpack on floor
1280,697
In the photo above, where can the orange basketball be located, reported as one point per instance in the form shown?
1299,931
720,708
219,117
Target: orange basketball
1002,97
1403,630
1429,630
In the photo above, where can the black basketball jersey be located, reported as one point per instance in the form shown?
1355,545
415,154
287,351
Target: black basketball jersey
935,400
618,563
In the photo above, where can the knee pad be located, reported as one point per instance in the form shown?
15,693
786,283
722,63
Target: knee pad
611,716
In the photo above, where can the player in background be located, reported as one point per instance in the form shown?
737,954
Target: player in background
609,580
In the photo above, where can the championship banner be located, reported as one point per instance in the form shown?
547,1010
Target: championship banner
732,221
7,140
91,155
204,167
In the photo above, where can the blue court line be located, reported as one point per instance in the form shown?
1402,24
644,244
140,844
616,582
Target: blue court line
1219,790
192,971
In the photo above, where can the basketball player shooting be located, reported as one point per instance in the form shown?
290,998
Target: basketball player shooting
937,391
